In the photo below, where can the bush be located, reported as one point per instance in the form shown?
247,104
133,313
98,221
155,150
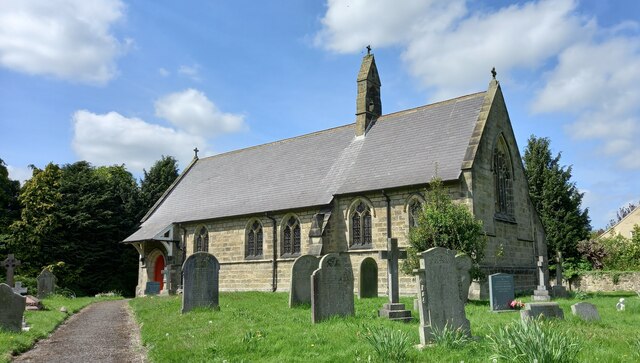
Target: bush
390,345
533,339
622,253
444,223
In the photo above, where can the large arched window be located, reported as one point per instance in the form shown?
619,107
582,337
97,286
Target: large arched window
291,237
503,179
254,240
202,239
361,225
414,208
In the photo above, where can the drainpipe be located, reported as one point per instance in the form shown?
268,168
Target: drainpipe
274,263
388,213
184,251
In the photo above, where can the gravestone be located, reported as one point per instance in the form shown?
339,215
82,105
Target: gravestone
166,276
331,289
463,265
368,286
558,290
393,310
33,303
585,311
501,291
46,284
12,308
18,289
152,288
10,263
200,287
301,271
439,293
547,310
541,293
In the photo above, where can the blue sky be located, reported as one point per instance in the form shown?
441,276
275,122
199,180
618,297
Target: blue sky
114,81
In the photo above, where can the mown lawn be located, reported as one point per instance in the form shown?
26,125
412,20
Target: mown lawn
260,327
42,323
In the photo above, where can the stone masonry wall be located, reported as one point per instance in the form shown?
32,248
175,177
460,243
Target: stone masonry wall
607,281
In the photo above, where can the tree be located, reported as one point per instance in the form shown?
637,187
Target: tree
622,212
556,198
161,175
9,205
444,223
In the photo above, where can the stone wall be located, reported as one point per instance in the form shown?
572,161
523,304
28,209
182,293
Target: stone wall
607,281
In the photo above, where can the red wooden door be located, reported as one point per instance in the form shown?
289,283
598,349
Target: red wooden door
157,271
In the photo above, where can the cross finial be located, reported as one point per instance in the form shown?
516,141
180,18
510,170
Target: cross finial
493,72
196,152
368,49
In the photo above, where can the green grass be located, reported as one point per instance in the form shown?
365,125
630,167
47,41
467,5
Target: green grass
42,323
260,327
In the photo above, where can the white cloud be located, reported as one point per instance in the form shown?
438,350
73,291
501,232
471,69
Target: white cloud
19,173
106,139
67,39
163,72
190,71
192,111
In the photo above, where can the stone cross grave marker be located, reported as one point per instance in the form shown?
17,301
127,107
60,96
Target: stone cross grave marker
10,263
331,289
18,289
200,287
166,276
541,293
301,271
439,294
393,310
12,308
585,311
558,290
46,283
368,281
501,291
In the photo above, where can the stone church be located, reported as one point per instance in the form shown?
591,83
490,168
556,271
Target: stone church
347,189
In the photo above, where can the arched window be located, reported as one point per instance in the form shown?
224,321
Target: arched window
414,208
291,237
503,178
361,225
254,240
202,240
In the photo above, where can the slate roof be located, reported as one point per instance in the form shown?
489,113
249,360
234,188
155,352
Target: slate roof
400,149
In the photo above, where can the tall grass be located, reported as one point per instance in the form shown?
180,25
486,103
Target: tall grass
450,338
532,340
390,345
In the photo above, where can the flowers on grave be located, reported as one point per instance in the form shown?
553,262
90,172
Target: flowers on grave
516,304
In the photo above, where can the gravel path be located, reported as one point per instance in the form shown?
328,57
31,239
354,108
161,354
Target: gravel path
102,332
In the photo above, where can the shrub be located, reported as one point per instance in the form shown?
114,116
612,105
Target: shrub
531,340
444,223
594,252
622,253
450,338
390,345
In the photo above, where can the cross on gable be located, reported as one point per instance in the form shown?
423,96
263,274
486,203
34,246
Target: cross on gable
392,254
10,263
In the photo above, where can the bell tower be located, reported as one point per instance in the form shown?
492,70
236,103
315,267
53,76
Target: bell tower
368,104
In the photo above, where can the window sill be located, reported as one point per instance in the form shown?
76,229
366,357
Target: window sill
260,257
361,247
290,255
505,218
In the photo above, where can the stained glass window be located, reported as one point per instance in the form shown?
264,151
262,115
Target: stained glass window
503,179
361,226
414,210
202,240
291,237
254,240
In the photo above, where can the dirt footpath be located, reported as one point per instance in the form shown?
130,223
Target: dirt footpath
102,332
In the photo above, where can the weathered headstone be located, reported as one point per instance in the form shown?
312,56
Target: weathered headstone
46,284
368,286
152,288
541,293
10,263
463,265
331,289
558,290
393,310
301,271
546,309
18,289
501,291
166,276
439,294
33,303
200,273
585,311
12,308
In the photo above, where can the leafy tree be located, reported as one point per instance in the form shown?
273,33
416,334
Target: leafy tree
622,212
9,205
157,180
444,223
556,198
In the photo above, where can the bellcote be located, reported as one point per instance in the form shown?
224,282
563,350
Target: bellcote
368,104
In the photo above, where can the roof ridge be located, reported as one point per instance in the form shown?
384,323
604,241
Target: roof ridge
430,105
